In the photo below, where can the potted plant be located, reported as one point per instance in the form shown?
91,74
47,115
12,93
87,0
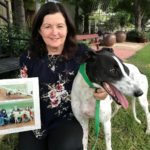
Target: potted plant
109,39
142,37
120,36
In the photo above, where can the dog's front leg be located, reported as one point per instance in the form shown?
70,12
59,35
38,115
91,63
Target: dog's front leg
144,103
117,107
84,123
107,132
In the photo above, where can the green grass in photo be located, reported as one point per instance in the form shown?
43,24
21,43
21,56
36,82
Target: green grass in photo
18,104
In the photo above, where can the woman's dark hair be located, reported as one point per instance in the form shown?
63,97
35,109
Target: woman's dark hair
37,46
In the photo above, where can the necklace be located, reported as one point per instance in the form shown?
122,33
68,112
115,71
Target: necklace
53,61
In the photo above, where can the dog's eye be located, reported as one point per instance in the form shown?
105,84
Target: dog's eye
113,70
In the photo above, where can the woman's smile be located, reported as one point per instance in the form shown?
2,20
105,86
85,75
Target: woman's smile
54,31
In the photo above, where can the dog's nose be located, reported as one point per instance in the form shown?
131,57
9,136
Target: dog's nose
138,93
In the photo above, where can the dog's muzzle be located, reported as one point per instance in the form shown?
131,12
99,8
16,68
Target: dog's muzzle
138,93
116,95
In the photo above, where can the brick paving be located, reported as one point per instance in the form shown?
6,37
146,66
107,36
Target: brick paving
124,50
127,49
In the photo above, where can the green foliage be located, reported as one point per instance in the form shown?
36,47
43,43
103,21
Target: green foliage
135,8
124,18
4,42
136,36
147,34
86,42
9,142
13,40
19,40
29,5
112,24
132,36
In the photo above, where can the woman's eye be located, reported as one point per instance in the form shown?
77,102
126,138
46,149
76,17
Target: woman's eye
46,27
60,26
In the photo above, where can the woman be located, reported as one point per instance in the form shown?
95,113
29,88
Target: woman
52,57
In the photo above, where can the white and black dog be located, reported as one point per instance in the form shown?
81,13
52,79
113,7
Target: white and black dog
105,68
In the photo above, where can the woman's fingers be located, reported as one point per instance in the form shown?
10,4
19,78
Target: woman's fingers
100,94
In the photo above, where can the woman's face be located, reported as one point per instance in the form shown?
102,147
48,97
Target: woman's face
54,31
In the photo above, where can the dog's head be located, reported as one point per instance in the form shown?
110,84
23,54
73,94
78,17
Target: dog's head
105,68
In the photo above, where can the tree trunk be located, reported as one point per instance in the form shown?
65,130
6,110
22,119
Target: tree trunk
3,13
77,16
138,15
19,13
38,5
86,23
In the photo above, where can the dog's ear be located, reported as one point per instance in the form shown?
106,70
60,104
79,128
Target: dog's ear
107,49
88,56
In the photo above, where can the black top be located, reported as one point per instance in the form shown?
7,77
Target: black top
56,75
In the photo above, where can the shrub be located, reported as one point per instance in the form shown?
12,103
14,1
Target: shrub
148,35
132,36
13,40
4,42
9,142
136,36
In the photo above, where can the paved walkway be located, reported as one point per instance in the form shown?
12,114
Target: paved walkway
127,49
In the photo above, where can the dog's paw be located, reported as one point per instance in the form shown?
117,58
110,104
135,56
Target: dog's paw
138,120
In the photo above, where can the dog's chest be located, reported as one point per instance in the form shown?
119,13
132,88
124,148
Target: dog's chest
83,101
88,107
83,96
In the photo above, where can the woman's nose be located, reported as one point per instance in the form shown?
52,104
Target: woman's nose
54,31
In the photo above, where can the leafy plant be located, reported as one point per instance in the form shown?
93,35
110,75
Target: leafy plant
148,35
9,142
142,34
19,39
13,40
136,36
4,39
132,36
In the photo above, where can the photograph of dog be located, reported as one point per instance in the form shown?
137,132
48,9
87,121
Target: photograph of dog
105,69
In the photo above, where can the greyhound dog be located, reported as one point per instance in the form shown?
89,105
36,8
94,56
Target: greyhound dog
104,69
142,81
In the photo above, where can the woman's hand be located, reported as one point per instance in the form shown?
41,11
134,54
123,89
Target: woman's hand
100,94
